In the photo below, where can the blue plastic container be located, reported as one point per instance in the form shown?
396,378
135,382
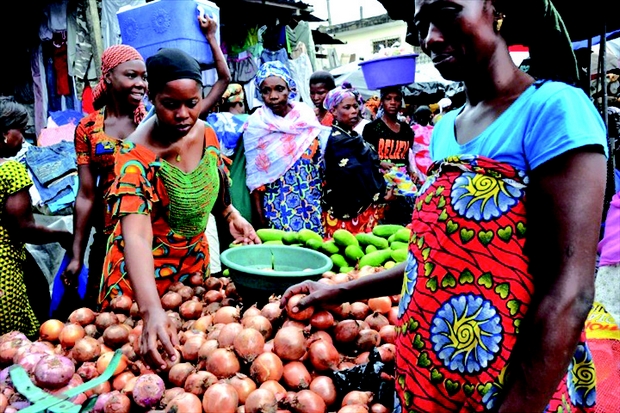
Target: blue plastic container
389,71
168,23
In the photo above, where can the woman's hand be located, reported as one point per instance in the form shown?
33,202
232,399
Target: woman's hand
241,230
317,294
208,26
158,328
386,166
70,274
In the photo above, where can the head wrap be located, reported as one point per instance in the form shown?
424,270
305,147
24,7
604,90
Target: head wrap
112,57
171,64
335,96
233,94
276,69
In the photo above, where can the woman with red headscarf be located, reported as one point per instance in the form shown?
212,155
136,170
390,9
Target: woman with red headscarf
119,109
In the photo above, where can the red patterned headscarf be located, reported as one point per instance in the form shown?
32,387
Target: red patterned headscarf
111,58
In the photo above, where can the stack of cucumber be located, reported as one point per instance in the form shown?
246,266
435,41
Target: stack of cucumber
384,247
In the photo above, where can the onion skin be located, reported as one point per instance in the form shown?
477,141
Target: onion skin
259,323
243,385
267,366
184,402
354,408
117,403
70,334
115,336
272,312
307,401
296,376
357,397
171,300
86,349
322,320
198,382
248,344
323,355
261,401
82,316
225,315
289,343
223,363
379,408
178,374
324,387
220,398
50,330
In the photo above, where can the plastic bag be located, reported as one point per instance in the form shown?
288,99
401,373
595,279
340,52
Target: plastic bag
367,377
65,300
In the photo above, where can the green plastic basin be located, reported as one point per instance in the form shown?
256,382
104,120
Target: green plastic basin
251,270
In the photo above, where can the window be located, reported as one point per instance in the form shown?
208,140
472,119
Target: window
379,44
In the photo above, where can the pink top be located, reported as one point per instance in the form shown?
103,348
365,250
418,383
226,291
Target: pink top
609,247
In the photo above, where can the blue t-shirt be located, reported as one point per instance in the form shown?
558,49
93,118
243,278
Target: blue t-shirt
548,119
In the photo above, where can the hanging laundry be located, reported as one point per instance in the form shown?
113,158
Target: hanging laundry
301,70
302,33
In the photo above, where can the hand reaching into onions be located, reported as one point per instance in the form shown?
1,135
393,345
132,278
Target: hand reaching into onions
158,327
308,294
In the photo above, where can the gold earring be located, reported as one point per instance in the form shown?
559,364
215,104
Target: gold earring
498,22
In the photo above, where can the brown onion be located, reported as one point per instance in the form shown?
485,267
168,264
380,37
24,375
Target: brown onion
178,374
289,343
243,385
380,304
228,333
190,310
248,344
226,315
302,315
368,339
86,349
198,382
213,296
213,283
354,408
266,366
171,300
376,321
321,335
359,310
388,334
70,334
392,315
275,387
203,323
116,335
104,360
91,331
223,363
357,397
347,331
117,403
170,394
191,347
50,330
342,311
296,376
82,316
322,320
324,387
121,380
387,352
105,320
323,355
307,401
271,311
121,304
186,292
379,408
261,401
259,323
220,398
184,402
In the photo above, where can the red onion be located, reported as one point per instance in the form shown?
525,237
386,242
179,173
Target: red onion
148,390
53,371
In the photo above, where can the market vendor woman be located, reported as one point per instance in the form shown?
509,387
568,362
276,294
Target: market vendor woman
169,177
496,289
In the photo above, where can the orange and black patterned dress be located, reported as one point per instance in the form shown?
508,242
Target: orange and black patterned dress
178,204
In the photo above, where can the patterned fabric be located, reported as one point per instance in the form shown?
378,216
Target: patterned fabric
328,119
277,69
15,311
96,149
421,156
273,144
340,93
229,128
112,57
140,189
293,201
364,222
465,291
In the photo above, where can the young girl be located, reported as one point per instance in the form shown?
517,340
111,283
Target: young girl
354,185
321,82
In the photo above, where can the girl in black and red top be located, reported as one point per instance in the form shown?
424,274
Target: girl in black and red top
391,137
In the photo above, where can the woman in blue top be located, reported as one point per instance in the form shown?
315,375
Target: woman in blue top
497,287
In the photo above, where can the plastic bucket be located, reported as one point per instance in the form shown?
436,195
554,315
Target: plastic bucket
168,23
389,71
257,279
